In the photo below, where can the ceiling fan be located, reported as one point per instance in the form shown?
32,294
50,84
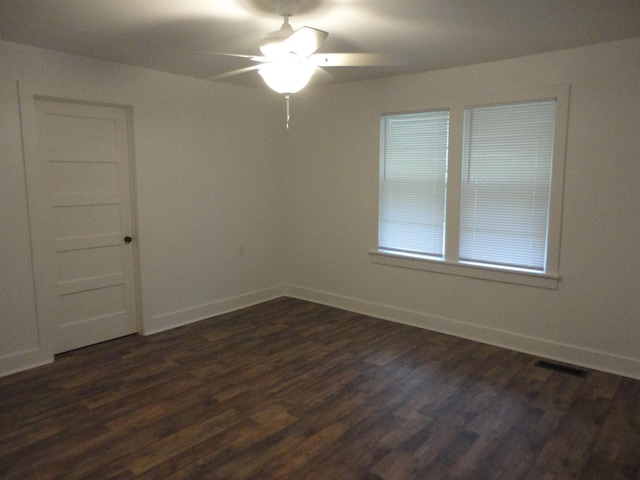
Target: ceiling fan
289,57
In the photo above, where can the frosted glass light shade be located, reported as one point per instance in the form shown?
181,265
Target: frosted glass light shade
286,76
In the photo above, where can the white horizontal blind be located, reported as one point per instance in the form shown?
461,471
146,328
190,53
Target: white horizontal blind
413,177
506,180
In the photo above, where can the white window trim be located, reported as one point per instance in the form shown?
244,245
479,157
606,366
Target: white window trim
451,264
415,262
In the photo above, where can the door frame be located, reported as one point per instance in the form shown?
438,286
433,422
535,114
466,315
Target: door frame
29,93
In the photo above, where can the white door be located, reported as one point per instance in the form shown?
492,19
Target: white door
80,212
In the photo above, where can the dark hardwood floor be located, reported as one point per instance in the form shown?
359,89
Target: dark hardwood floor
294,390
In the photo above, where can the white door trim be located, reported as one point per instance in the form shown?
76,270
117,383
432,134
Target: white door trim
29,93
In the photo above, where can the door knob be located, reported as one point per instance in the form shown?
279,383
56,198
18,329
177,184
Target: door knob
128,239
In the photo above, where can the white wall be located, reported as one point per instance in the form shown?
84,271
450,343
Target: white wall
592,319
207,180
215,170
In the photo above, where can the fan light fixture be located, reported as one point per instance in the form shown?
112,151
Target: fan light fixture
289,57
286,75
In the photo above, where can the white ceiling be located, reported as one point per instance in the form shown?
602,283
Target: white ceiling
434,34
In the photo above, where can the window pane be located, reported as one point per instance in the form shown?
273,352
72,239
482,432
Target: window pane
413,172
506,179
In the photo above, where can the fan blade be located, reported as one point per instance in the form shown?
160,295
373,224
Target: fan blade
236,72
255,58
357,59
304,41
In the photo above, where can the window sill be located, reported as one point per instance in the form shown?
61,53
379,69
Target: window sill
540,280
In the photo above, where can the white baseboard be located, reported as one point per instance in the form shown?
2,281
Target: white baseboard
167,321
26,360
21,361
572,354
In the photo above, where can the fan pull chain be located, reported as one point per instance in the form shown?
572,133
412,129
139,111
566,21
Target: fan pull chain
288,111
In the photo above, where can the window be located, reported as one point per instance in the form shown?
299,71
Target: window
475,188
413,179
506,167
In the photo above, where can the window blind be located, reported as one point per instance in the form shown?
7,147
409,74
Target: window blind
413,177
506,179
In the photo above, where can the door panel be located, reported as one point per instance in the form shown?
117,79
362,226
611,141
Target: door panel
84,267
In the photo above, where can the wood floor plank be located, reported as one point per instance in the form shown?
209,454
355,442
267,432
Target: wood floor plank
292,389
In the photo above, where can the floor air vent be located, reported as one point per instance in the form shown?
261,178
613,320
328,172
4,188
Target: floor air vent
576,372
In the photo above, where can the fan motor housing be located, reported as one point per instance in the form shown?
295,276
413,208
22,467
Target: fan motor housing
271,42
